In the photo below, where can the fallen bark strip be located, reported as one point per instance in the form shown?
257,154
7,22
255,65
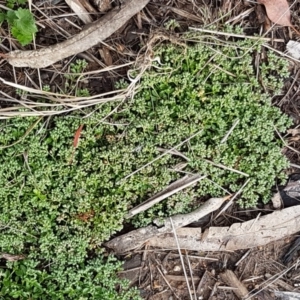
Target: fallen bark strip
138,237
253,233
87,38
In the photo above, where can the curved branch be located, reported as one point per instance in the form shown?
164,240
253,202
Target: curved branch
87,38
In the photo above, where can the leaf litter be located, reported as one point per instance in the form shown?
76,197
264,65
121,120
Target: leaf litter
278,12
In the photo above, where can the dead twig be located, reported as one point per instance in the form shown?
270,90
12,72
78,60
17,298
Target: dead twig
87,38
181,259
138,237
172,189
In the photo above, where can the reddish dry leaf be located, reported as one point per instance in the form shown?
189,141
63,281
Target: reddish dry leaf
86,216
278,11
77,136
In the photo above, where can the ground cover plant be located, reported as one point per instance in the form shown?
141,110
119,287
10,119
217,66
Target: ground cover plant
68,182
20,21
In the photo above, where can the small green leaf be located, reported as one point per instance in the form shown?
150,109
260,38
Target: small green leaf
10,17
23,26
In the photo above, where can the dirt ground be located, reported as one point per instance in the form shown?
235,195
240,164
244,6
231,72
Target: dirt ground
159,273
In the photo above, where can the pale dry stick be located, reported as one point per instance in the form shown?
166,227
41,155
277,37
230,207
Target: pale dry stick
291,87
167,282
192,275
172,189
30,90
52,24
254,221
251,279
242,15
224,139
202,281
204,258
15,111
243,257
221,69
225,167
31,80
182,220
6,113
258,38
213,290
227,288
174,152
222,17
87,38
68,97
281,53
81,101
181,258
284,142
163,154
231,200
105,69
295,166
72,23
271,281
229,278
138,237
219,186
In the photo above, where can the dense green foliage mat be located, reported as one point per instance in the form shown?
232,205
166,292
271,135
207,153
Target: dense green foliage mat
57,203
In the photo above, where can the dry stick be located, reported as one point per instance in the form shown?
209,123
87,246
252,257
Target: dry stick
284,142
257,38
169,191
225,167
224,139
182,220
281,53
138,237
87,38
231,200
191,273
243,257
167,282
160,156
271,280
181,259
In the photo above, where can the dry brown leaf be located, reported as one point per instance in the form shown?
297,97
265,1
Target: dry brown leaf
105,54
278,11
